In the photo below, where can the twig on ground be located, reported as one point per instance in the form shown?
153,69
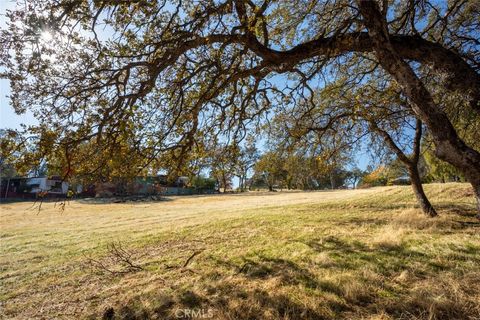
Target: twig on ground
118,257
184,266
190,258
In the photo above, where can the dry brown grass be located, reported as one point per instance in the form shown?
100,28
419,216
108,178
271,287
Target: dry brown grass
414,219
362,254
389,237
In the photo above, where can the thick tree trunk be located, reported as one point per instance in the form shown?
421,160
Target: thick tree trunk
224,180
411,163
417,187
449,147
332,181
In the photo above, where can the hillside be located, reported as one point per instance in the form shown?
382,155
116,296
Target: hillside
285,255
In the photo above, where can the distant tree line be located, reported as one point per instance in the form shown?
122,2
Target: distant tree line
275,168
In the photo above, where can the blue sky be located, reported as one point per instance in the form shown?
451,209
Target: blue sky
6,113
8,117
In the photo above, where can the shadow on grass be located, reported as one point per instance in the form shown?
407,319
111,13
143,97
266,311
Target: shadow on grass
263,287
358,280
222,301
459,209
452,217
130,200
353,255
238,296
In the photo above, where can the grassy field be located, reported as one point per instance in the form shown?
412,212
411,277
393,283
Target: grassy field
364,254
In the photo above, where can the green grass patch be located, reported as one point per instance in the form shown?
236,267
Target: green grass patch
366,254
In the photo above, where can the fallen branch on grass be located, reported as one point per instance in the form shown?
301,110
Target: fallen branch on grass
119,258
184,266
190,258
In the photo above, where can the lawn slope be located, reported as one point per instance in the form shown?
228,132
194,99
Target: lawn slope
288,255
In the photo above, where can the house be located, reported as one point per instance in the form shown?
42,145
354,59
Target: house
22,187
52,185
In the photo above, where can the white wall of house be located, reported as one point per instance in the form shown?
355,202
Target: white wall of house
38,184
45,184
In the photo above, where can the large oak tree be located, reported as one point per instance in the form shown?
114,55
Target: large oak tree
171,71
